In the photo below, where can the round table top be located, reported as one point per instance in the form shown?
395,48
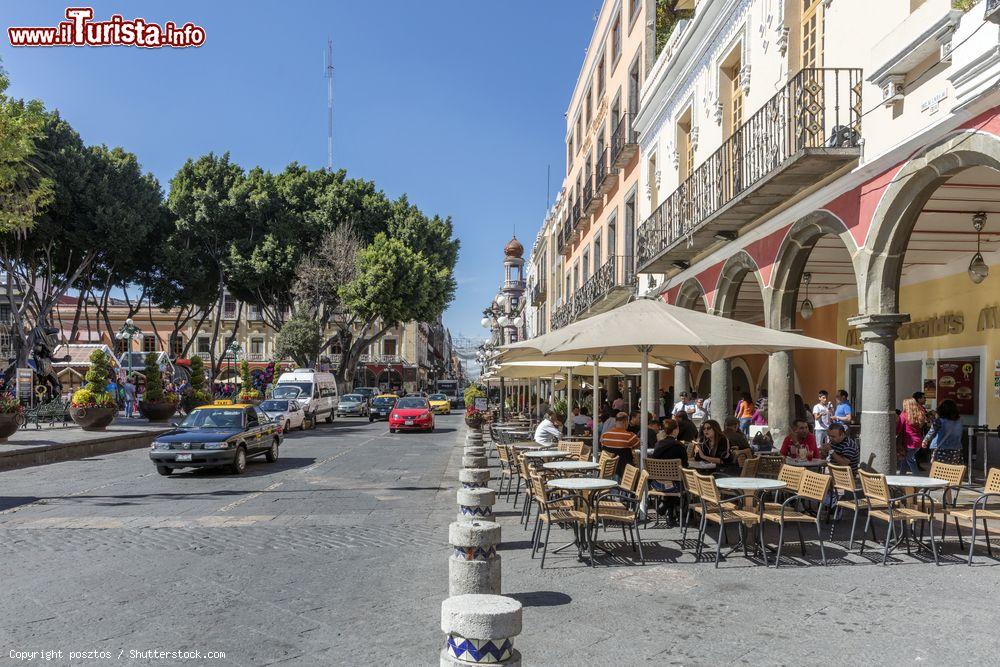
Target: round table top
545,454
915,481
570,465
805,463
701,465
580,440
582,483
526,445
749,483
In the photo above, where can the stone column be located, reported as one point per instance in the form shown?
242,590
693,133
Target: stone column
878,411
476,504
722,390
780,395
651,392
480,630
474,566
682,379
611,387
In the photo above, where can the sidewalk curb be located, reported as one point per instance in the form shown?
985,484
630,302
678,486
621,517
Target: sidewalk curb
71,451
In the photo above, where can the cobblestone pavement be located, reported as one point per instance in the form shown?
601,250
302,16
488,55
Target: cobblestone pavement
337,554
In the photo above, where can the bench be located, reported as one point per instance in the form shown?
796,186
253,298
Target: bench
57,410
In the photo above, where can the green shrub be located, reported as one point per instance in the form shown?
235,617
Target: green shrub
94,393
197,373
472,392
154,380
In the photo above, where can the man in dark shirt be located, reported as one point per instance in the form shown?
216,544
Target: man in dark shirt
734,435
842,449
668,447
687,431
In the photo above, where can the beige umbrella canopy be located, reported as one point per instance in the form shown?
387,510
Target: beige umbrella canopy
548,369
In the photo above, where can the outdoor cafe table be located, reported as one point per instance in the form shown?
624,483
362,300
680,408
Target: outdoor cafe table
805,463
907,482
570,466
539,455
701,465
758,485
527,445
585,486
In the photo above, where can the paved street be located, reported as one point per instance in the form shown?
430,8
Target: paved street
338,555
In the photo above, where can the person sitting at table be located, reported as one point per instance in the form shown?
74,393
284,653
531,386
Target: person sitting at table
841,448
620,442
549,429
713,447
578,422
737,440
686,430
668,447
800,441
700,411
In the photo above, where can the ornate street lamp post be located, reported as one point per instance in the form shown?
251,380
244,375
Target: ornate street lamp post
232,353
127,332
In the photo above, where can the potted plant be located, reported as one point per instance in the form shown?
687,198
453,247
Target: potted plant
155,405
196,395
473,417
11,414
92,407
247,393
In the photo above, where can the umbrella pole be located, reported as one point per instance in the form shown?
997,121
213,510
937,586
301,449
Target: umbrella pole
596,439
643,423
569,402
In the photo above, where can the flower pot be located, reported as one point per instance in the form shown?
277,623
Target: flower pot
474,420
157,412
93,419
8,425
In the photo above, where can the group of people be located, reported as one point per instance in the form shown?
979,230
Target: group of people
129,393
918,427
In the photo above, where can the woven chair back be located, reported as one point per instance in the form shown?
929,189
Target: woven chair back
992,481
575,448
664,470
607,465
791,476
843,478
953,474
691,482
709,491
642,484
814,485
874,486
750,465
629,478
768,466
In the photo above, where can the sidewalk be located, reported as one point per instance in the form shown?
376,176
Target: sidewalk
32,446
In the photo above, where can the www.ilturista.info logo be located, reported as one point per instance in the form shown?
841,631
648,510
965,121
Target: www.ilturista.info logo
81,30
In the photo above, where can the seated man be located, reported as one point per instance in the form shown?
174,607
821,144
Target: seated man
800,442
842,449
736,438
549,429
668,447
619,442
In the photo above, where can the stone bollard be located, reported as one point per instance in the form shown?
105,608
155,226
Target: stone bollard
476,504
474,451
472,478
475,462
474,567
474,436
480,630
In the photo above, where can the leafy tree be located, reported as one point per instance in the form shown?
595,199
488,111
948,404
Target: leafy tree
300,339
667,18
24,191
472,392
94,393
154,380
197,381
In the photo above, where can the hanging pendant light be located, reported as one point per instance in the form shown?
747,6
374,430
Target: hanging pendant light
978,269
806,309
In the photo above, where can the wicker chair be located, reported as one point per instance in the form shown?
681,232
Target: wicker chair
877,491
813,488
981,511
621,507
849,498
504,458
714,509
629,479
750,465
667,472
792,477
769,466
607,464
575,449
560,508
953,474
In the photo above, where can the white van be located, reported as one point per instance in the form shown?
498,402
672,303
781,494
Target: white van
316,392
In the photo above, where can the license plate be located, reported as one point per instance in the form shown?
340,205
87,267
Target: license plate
409,422
183,457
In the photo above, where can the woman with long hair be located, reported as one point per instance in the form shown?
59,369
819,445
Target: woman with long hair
713,445
945,436
744,412
910,427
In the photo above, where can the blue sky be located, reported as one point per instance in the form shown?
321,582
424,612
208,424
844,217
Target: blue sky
458,103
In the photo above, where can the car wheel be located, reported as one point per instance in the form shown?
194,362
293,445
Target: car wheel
239,465
329,418
166,471
272,454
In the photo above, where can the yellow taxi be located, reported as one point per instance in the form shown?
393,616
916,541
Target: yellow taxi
440,404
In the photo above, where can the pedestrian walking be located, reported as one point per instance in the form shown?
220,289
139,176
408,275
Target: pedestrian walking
744,413
129,397
910,426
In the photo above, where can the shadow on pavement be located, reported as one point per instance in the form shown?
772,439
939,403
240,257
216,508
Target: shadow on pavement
9,502
541,598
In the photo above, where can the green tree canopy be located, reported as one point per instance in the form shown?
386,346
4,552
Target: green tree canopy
24,190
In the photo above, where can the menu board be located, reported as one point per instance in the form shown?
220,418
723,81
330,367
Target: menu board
956,380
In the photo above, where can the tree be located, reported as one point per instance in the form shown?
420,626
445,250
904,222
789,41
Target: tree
24,191
154,379
95,393
299,339
667,18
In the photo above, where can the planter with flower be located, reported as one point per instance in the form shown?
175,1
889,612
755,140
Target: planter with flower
11,416
247,393
195,395
92,407
155,405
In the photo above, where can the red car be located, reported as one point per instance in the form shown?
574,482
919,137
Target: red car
411,413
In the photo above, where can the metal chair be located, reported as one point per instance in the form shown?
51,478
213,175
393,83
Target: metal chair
877,491
980,510
844,483
559,508
622,507
714,509
813,488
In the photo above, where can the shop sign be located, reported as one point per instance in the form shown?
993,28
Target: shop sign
956,379
996,378
943,325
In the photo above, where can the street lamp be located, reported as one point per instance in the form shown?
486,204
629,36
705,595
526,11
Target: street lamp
127,332
233,349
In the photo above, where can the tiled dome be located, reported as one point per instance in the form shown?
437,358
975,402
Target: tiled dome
514,248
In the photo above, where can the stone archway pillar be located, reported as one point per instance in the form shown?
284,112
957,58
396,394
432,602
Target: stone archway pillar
722,390
878,413
682,379
780,395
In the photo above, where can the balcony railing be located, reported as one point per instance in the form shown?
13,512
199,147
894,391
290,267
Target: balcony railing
562,315
255,356
616,278
589,201
538,293
381,359
624,141
572,234
807,131
603,176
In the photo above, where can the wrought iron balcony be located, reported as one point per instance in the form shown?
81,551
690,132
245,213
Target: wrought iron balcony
562,315
808,131
610,286
573,231
604,178
591,200
255,356
624,141
538,293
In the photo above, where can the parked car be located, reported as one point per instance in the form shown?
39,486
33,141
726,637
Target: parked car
440,404
287,412
368,392
352,405
381,407
411,413
317,392
222,434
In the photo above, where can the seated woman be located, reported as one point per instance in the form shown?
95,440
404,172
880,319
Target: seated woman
687,431
713,447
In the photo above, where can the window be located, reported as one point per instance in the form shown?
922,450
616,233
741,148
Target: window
149,343
586,265
256,346
229,307
176,345
5,313
634,81
597,249
629,232
633,11
589,107
600,76
812,33
612,234
616,40
121,346
569,154
389,347
254,312
204,345
685,147
576,276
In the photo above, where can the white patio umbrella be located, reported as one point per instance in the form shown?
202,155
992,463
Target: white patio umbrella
652,329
